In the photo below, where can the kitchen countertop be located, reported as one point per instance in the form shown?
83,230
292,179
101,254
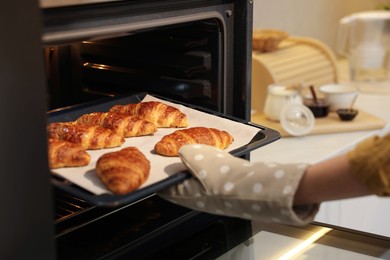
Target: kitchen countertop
282,242
367,214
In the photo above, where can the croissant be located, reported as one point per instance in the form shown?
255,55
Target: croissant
123,124
123,171
160,114
88,136
170,144
66,154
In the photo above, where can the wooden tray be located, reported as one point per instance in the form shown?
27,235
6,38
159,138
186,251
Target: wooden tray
329,124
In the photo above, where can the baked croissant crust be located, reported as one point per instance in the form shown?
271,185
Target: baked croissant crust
123,171
170,144
123,124
88,136
66,154
160,114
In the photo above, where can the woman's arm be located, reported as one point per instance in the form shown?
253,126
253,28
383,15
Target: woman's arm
329,180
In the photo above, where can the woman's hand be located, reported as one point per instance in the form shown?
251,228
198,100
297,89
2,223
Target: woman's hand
225,185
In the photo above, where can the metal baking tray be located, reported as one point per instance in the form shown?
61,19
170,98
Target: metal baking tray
262,137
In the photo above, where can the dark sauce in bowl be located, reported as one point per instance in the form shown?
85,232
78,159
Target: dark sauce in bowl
346,114
319,107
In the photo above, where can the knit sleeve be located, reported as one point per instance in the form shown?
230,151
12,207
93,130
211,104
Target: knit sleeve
370,162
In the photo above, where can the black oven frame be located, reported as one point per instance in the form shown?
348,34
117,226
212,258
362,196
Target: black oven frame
118,18
26,224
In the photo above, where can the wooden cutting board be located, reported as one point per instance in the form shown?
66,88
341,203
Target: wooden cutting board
329,124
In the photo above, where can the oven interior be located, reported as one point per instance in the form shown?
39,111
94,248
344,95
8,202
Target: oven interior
182,62
195,62
150,229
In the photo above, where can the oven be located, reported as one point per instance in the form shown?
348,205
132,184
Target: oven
60,59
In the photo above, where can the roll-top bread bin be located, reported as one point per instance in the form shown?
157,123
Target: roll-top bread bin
296,61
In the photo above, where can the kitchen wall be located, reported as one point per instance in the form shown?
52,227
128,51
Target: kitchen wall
317,19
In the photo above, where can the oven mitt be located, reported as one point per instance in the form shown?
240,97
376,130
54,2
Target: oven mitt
370,162
226,185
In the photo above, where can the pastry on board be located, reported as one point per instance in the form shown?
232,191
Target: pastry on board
66,154
170,144
123,124
160,114
88,136
267,40
123,171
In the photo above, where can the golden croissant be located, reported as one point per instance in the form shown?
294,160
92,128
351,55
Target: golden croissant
88,136
66,154
170,144
160,114
123,171
123,124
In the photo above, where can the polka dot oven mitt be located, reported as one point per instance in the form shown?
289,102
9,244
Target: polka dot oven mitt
231,186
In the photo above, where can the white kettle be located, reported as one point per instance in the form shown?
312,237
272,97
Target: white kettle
364,38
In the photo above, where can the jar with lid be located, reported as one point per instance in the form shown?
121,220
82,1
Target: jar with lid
285,105
279,96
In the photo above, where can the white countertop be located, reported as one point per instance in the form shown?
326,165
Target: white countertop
368,214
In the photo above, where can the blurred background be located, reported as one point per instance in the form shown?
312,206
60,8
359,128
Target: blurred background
317,19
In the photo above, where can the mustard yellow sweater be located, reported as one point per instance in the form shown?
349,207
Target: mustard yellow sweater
370,162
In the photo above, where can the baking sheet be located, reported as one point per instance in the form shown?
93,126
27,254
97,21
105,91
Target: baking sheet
161,167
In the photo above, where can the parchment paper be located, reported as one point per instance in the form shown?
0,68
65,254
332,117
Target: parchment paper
161,166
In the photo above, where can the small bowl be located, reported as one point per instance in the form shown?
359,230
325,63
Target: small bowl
346,114
320,107
338,95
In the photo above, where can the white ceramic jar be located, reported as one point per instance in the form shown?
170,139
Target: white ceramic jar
278,97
